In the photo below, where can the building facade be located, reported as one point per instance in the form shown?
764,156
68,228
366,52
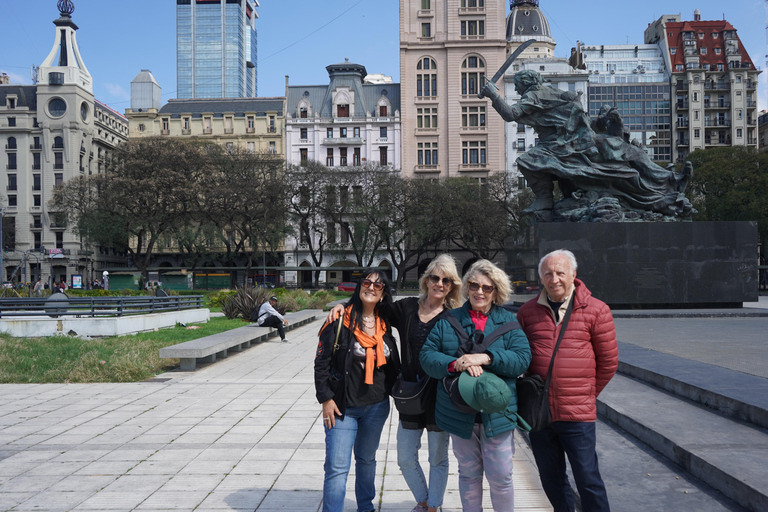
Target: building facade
446,47
713,82
635,80
216,48
351,122
51,132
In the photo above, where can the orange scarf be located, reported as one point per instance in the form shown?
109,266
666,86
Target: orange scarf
373,345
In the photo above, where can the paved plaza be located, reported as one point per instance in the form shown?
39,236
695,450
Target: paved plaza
242,434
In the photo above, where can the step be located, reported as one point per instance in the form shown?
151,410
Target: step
732,393
723,453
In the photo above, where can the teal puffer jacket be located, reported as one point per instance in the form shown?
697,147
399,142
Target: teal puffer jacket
511,357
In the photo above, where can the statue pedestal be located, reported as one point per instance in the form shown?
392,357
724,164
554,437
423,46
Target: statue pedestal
661,264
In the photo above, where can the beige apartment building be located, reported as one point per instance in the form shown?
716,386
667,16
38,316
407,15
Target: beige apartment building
446,48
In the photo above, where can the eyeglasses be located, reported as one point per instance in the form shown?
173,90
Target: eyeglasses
376,285
473,287
436,279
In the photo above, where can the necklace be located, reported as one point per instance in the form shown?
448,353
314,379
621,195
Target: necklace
369,322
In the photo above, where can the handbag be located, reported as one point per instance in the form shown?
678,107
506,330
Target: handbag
533,391
413,398
476,344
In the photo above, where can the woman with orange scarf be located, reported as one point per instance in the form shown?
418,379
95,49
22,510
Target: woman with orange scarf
354,373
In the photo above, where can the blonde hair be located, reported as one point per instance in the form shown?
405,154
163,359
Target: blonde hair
498,277
446,265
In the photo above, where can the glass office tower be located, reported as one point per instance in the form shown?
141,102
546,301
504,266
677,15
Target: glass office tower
216,48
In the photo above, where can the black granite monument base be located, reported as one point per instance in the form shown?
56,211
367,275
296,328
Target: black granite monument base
661,264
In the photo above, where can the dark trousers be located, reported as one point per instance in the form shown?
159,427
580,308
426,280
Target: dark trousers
576,440
273,321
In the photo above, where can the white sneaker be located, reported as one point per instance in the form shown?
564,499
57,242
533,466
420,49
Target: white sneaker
284,340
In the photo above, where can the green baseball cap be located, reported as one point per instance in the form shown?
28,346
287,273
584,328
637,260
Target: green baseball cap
487,393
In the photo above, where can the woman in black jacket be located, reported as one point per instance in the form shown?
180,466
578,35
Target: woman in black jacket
354,375
414,317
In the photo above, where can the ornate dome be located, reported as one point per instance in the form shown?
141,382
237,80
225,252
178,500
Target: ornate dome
526,21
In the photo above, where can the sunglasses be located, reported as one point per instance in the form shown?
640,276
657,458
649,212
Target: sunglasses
376,285
436,279
473,287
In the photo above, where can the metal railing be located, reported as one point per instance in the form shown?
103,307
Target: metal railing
96,306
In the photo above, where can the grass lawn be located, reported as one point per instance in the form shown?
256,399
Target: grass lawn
64,359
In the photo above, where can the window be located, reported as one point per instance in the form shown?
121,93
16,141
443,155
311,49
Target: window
165,125
303,156
11,161
717,51
59,239
272,124
343,157
12,200
426,118
701,35
251,147
11,182
356,157
329,157
36,161
356,132
303,133
58,179
703,51
303,112
58,143
36,200
426,30
425,5
696,133
521,144
251,123
343,133
11,102
427,153
186,124
471,80
382,111
673,51
272,148
382,155
11,121
472,117
739,133
383,132
329,133
426,83
11,143
473,152
473,3
342,110
36,182
473,28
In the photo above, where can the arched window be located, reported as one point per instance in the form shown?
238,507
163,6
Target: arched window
426,77
11,142
472,70
58,143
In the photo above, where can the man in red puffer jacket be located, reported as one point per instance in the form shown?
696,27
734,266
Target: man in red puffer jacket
585,362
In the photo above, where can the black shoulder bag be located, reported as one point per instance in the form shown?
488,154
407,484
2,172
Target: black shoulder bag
476,344
533,392
413,398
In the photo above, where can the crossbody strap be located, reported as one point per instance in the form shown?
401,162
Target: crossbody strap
487,340
338,331
559,339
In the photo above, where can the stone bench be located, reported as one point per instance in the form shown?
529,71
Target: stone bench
216,346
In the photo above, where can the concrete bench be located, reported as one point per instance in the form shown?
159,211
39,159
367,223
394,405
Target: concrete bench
216,346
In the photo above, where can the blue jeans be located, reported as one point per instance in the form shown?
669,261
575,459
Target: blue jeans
408,445
576,440
359,431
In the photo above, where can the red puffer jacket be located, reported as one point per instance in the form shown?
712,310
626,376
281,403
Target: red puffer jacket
586,360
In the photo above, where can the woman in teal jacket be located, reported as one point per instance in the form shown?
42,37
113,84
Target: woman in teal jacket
482,443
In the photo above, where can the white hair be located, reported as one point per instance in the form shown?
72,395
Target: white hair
560,252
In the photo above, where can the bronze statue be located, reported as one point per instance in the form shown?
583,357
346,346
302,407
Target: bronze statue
588,158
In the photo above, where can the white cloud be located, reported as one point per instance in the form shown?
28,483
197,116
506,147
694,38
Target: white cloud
17,78
117,91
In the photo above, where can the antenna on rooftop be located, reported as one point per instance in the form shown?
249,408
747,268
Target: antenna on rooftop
33,72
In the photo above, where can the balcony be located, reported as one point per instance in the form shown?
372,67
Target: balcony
165,132
207,131
425,13
717,86
342,141
752,141
682,105
186,131
35,147
473,167
717,105
250,130
10,146
229,131
427,168
36,225
464,11
682,123
717,122
682,143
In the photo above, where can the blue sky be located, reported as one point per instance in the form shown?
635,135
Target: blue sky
118,39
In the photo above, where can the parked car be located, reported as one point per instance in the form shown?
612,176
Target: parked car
532,288
346,287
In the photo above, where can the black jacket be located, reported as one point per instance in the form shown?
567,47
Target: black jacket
332,368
